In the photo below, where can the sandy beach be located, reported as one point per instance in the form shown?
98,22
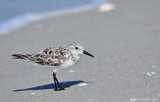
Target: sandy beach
125,42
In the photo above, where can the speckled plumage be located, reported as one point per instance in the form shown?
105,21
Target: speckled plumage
52,56
62,56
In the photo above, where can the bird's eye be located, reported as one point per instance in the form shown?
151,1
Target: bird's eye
76,48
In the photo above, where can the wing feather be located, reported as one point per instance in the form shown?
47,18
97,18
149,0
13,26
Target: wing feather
53,56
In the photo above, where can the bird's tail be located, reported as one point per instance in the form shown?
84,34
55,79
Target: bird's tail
20,56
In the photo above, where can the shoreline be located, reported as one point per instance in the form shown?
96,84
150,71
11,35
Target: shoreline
23,19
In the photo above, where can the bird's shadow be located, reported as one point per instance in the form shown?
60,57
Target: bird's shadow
51,86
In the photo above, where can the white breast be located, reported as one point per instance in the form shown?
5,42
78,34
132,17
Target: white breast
70,60
68,63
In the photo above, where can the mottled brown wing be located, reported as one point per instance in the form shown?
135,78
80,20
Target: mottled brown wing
51,56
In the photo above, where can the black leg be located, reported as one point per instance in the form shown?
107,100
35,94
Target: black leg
57,82
61,88
54,76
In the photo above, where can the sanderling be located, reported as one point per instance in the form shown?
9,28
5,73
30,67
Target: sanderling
59,56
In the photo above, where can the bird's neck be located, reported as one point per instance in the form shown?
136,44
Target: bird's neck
76,57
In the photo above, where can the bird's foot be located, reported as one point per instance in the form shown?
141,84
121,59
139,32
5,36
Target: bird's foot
60,89
55,89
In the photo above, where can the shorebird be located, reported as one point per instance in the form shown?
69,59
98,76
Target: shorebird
59,57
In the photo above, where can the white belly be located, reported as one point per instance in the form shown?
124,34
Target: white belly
68,63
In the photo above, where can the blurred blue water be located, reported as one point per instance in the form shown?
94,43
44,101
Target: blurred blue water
14,13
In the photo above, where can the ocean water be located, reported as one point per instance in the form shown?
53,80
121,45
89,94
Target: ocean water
15,13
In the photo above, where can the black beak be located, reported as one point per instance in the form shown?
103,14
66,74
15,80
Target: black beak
85,52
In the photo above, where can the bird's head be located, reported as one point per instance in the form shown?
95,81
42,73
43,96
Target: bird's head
78,49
